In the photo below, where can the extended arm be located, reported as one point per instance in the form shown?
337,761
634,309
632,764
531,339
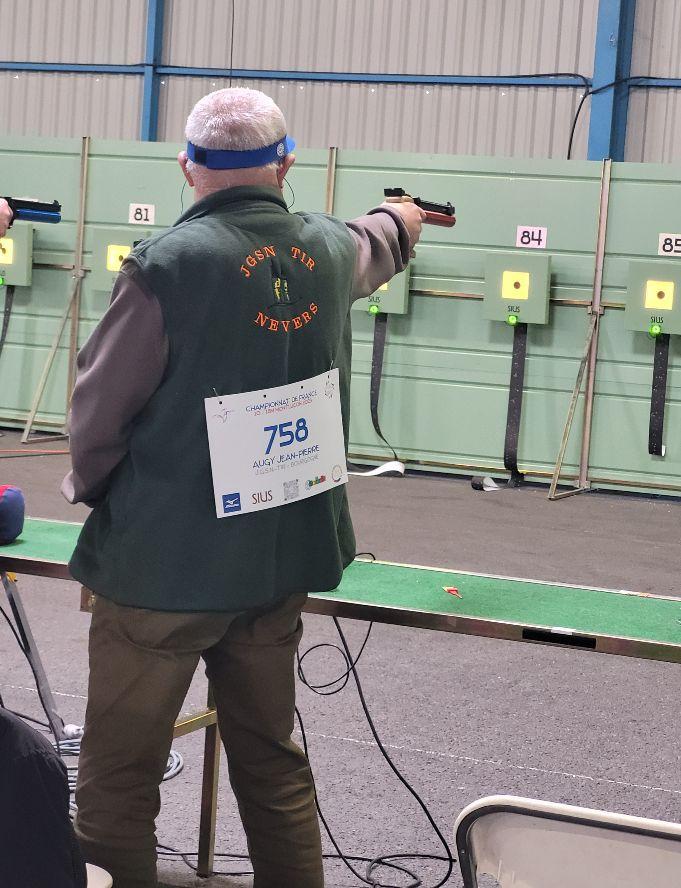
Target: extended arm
385,240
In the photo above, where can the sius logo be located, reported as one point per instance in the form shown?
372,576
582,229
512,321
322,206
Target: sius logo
231,502
261,496
320,479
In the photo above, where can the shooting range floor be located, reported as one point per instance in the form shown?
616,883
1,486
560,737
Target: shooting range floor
462,716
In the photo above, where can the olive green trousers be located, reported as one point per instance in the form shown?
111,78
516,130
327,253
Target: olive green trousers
141,665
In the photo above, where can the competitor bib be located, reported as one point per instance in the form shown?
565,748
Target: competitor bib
275,446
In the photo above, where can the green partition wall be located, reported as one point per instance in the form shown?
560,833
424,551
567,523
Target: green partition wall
446,370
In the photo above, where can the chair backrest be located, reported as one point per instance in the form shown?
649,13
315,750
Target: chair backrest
97,877
527,843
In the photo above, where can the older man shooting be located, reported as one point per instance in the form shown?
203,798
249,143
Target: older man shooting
239,296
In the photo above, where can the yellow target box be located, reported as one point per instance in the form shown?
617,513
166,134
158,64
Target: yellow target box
16,255
515,285
652,286
659,295
115,254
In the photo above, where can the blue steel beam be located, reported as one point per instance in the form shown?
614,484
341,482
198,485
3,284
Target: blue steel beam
612,63
71,68
540,80
152,58
545,80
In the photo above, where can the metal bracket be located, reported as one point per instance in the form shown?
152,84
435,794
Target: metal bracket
30,650
595,310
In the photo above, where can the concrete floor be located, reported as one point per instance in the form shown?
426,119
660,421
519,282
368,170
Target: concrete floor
462,717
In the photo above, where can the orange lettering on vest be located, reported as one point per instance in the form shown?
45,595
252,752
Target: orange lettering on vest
313,308
285,325
306,316
251,261
297,323
270,251
262,319
259,255
302,256
274,324
245,271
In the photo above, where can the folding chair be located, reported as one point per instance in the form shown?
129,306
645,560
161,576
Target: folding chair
97,877
527,843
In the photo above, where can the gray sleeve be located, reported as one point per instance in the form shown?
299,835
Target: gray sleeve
383,249
119,368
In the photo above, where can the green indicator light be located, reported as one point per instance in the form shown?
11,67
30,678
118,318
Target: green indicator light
655,330
512,320
2,281
374,309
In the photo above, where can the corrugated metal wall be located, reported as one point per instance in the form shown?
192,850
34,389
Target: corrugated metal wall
60,104
414,36
418,37
382,36
654,126
78,31
467,37
385,117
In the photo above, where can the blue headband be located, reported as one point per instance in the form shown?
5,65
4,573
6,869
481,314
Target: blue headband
216,159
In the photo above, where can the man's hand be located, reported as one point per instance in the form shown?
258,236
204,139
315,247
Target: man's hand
413,218
5,217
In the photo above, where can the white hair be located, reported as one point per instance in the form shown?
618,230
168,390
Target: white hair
234,119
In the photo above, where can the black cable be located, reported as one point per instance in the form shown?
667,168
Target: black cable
7,314
381,861
389,861
319,689
14,631
574,122
585,80
23,650
25,653
23,715
600,89
231,47
165,851
339,854
293,195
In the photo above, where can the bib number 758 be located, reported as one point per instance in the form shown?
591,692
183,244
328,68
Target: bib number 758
287,433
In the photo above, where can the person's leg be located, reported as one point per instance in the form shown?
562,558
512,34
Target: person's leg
252,673
141,665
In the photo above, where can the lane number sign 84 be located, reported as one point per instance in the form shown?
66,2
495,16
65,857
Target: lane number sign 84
669,245
531,236
287,433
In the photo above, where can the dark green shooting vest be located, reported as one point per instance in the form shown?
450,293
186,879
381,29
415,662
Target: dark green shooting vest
252,297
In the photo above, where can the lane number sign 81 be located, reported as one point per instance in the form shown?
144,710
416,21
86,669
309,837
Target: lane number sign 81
141,214
529,236
669,245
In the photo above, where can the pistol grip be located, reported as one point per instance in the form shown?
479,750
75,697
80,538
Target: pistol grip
439,219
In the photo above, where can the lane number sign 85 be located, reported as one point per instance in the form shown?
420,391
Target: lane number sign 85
669,245
531,236
287,433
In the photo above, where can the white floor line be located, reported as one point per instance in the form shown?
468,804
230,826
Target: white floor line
506,765
56,693
509,766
